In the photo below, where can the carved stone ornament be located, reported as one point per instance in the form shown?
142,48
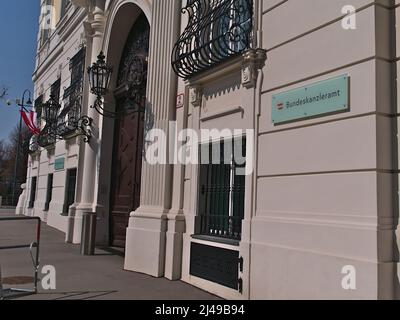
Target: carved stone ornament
253,60
195,96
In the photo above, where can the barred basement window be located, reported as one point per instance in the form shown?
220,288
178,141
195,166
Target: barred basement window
222,189
216,31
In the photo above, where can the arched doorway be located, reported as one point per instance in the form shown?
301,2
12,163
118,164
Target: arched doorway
129,129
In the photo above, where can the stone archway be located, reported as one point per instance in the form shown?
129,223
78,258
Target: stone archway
129,129
121,145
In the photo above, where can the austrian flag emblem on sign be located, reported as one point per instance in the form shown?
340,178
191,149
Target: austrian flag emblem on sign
315,100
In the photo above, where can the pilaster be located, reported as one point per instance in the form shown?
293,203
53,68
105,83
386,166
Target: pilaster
146,235
94,32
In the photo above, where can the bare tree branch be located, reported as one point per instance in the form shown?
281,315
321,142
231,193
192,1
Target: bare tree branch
3,92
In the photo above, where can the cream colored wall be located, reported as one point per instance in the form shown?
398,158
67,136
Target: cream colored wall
324,196
53,63
324,191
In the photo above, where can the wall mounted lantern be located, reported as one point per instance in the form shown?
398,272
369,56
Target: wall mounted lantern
51,109
57,122
99,79
131,84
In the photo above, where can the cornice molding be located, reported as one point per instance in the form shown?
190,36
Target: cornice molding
82,3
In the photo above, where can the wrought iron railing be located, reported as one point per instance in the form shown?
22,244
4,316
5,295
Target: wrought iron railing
221,226
71,115
216,31
72,108
47,137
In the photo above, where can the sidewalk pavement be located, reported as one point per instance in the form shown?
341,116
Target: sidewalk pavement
100,277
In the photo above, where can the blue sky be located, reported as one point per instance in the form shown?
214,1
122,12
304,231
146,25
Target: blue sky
18,33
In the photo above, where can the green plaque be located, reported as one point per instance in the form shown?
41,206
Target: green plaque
59,164
318,99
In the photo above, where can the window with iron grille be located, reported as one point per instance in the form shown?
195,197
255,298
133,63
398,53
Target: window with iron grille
70,190
49,194
73,95
55,90
77,66
216,31
222,189
32,197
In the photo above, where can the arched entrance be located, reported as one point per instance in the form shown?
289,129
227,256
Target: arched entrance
130,94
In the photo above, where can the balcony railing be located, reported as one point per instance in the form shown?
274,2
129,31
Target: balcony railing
47,137
216,31
71,114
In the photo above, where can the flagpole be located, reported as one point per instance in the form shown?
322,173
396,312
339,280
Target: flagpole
22,108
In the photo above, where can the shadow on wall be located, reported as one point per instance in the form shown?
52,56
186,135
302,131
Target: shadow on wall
396,231
396,253
229,85
395,148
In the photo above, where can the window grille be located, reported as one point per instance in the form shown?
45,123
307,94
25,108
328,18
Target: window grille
49,193
222,189
71,113
32,198
70,190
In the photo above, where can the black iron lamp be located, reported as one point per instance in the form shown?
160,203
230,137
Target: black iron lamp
56,124
99,76
99,79
51,110
132,79
48,135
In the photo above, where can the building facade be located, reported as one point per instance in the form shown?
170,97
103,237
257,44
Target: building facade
282,182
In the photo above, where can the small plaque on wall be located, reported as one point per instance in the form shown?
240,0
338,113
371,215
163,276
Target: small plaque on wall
59,164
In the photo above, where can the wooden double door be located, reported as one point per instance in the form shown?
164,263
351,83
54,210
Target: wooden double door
129,131
126,176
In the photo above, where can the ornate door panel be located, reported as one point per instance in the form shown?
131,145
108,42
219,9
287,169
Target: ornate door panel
129,131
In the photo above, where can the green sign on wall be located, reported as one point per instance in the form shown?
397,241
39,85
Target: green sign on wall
59,164
318,99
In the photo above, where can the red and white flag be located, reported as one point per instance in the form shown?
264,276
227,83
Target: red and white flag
30,119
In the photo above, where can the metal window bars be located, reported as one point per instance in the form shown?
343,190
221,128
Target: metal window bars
222,190
34,249
68,122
